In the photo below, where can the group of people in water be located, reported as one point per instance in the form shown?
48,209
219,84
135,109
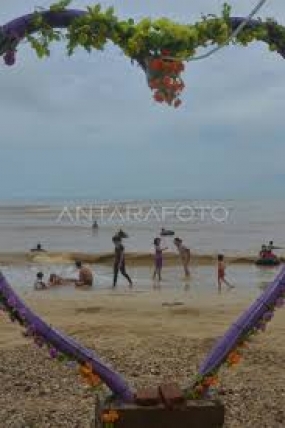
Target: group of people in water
85,276
266,251
85,279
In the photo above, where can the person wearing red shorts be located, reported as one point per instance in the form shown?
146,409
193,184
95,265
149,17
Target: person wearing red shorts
222,274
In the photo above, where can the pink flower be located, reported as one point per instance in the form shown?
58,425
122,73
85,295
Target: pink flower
53,352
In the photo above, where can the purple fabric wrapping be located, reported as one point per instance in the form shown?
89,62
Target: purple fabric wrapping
24,25
244,324
68,345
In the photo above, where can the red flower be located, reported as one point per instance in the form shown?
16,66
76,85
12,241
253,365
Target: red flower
180,67
153,84
167,81
177,102
165,52
159,97
156,64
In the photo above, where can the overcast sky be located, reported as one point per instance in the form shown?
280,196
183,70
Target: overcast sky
87,127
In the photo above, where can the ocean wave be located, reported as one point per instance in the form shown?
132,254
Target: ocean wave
136,258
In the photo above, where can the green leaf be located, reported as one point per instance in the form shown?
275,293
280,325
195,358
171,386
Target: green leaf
60,6
109,12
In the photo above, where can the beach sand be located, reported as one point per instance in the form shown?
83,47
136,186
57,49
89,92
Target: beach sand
148,339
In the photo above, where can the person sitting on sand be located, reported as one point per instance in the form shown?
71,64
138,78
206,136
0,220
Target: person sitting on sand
55,280
222,274
39,283
119,262
38,248
158,258
184,253
85,276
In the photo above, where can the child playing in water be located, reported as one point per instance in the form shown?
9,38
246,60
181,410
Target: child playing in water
39,283
158,258
222,273
184,253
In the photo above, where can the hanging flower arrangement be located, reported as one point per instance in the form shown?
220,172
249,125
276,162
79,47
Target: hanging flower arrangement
164,78
162,45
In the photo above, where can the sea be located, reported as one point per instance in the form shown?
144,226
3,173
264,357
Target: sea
208,227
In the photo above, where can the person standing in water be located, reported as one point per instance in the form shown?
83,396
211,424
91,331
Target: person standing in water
222,274
119,262
158,258
184,253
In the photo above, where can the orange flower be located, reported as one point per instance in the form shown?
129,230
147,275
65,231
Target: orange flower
167,81
105,417
91,378
114,415
234,358
156,64
211,381
154,83
111,416
85,369
165,52
167,84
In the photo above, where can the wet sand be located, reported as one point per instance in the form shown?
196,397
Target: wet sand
148,338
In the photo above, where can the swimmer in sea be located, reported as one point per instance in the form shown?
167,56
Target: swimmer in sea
38,248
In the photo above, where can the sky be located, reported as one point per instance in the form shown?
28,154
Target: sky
87,127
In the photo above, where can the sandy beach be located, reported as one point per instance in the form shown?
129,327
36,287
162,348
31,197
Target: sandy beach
148,337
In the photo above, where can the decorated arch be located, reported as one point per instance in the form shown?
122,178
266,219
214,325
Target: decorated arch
161,48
